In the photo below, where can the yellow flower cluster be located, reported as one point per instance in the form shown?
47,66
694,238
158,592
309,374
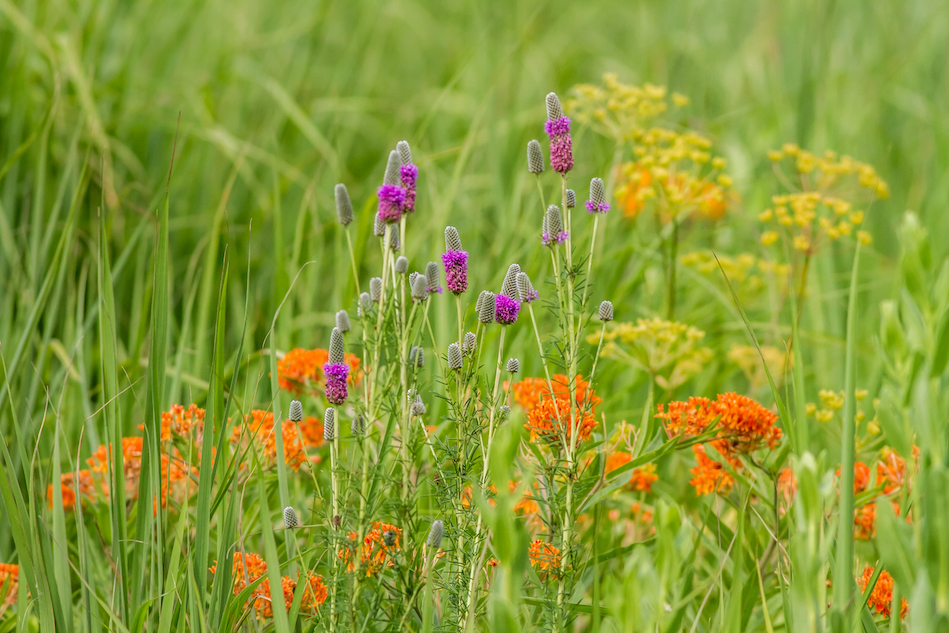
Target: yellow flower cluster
677,172
833,401
618,110
744,269
823,182
667,350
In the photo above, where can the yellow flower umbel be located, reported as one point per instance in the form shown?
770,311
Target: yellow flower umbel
617,110
666,350
832,402
747,273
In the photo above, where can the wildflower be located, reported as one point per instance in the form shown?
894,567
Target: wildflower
329,424
435,534
431,278
469,343
311,431
454,357
525,289
509,285
486,311
246,569
378,227
401,265
526,505
391,203
408,175
9,584
535,157
290,519
545,559
376,549
300,370
296,411
344,207
259,428
420,288
641,479
358,426
336,376
570,198
513,365
418,407
365,303
787,487
553,231
606,311
597,202
87,488
881,598
506,309
394,243
375,289
709,475
557,128
455,260
417,356
548,416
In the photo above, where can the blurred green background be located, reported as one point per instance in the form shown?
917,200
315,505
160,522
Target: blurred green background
278,101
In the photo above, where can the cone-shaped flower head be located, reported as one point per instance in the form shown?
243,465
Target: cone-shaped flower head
525,289
344,206
535,157
358,426
420,288
597,201
412,277
486,311
513,365
402,265
336,370
455,260
435,534
405,152
392,169
375,289
296,411
418,407
394,242
365,303
606,311
454,356
509,285
570,197
558,130
506,309
379,227
392,194
290,519
329,424
553,227
417,356
337,351
431,278
343,322
479,302
469,344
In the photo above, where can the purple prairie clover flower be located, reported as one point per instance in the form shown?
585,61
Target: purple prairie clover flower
336,376
561,145
456,271
505,309
431,278
409,175
597,202
553,232
391,203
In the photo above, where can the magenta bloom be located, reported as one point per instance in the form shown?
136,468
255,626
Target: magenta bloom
409,175
505,309
336,376
556,238
593,207
391,202
456,271
561,145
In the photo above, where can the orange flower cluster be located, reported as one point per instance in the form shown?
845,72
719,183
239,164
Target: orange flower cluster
375,549
890,475
180,422
743,426
259,427
787,488
881,598
526,504
642,478
314,596
87,488
9,584
640,183
548,413
301,370
545,559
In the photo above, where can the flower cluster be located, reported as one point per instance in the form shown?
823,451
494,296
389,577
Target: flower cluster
548,414
641,479
881,598
748,274
301,371
259,429
545,559
743,426
9,585
248,568
377,548
618,110
890,470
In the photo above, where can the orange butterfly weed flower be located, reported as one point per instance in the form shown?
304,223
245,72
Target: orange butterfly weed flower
641,479
302,370
246,569
375,552
526,504
548,414
545,558
179,422
259,425
311,429
881,598
87,488
709,475
787,487
9,584
314,595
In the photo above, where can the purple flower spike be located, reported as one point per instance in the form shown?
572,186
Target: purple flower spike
556,238
391,202
594,207
506,309
336,376
561,145
409,174
456,271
